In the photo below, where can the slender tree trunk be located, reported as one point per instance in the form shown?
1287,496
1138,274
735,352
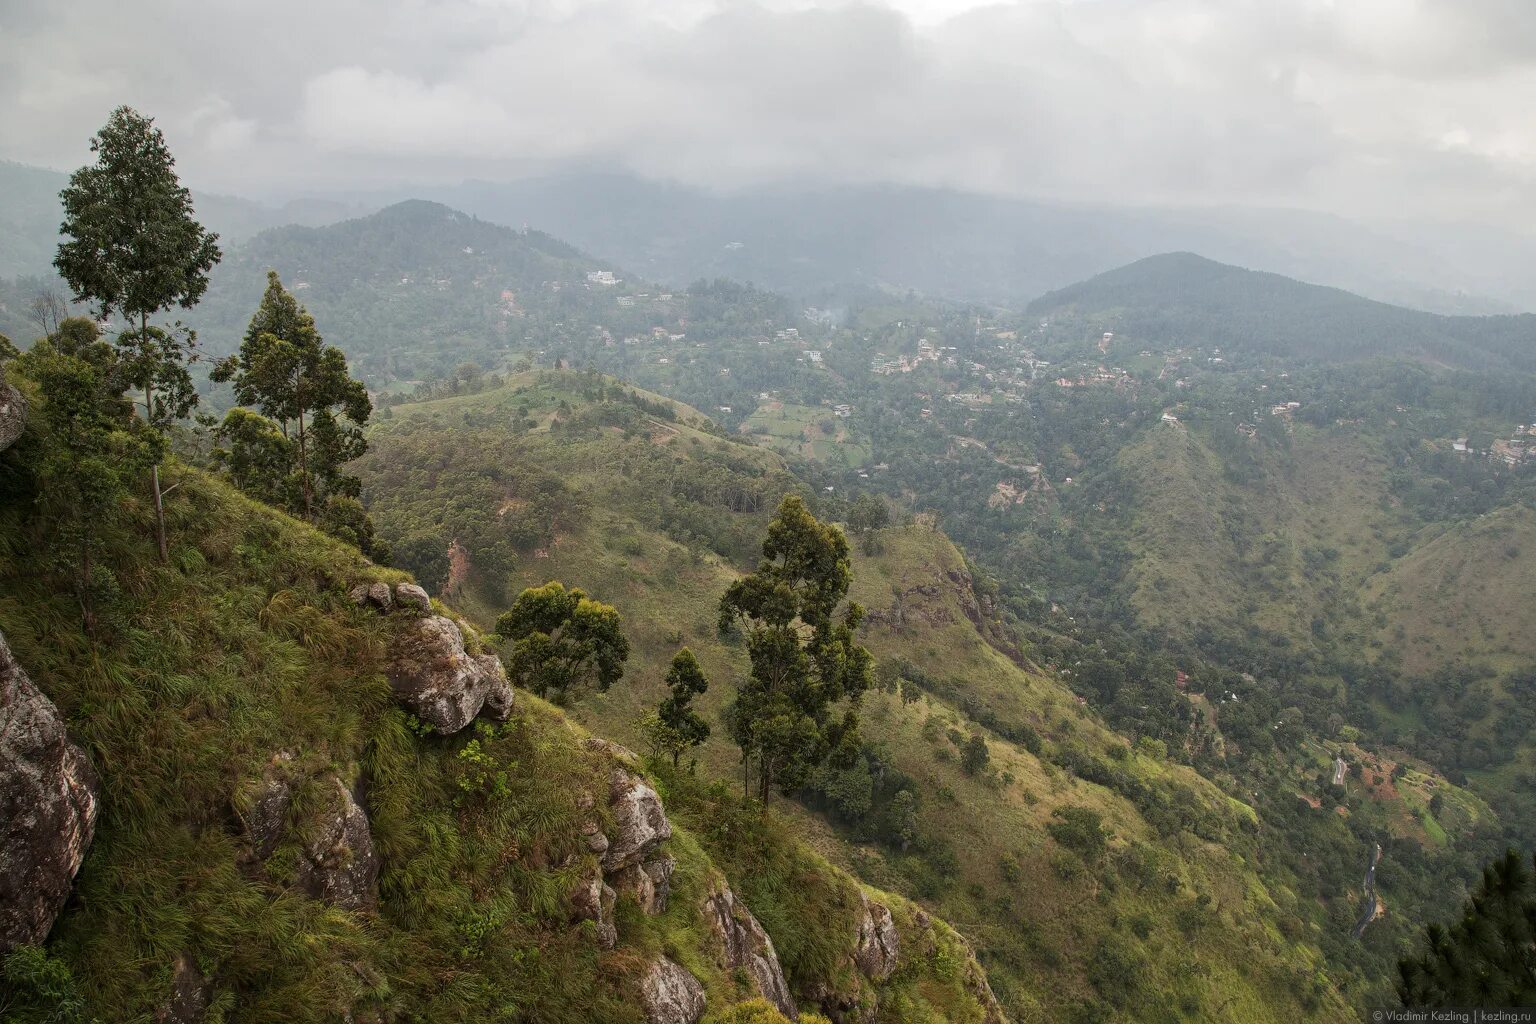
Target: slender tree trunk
309,511
154,471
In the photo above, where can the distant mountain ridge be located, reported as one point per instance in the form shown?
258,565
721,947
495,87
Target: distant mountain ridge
1185,299
30,215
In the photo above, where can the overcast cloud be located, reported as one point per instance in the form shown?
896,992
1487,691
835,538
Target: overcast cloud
1377,107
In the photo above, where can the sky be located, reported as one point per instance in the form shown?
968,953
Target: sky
1385,108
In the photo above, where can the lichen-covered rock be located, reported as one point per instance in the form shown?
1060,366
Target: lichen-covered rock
593,901
372,595
746,946
340,864
191,994
337,862
266,818
440,682
670,995
413,598
592,835
13,413
49,799
648,883
615,750
879,946
639,821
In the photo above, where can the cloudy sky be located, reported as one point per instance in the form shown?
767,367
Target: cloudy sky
1378,107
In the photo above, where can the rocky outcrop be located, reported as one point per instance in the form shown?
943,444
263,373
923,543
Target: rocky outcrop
410,597
340,865
373,595
593,901
337,861
648,883
49,799
442,683
744,945
670,995
13,413
879,946
191,995
640,823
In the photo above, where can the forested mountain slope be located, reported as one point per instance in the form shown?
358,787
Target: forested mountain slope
1090,869
1184,300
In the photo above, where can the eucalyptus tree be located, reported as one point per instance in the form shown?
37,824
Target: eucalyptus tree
134,249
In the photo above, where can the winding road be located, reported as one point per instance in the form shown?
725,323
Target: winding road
1372,903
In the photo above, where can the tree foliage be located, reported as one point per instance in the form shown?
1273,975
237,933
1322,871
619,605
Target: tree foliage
806,664
676,727
133,247
1488,958
89,445
303,390
561,639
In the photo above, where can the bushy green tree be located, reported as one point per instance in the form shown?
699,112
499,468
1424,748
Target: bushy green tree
89,446
561,639
676,727
866,515
303,388
806,664
132,247
1488,958
974,755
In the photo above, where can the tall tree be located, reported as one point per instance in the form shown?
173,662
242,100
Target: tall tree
1488,958
806,664
675,727
562,639
134,249
302,385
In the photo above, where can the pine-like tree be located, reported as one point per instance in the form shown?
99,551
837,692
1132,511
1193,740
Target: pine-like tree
302,386
134,248
683,727
1488,958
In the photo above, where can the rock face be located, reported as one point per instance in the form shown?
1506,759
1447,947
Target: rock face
650,883
443,684
13,413
593,901
745,945
338,862
373,595
191,993
879,946
639,822
671,995
49,799
413,598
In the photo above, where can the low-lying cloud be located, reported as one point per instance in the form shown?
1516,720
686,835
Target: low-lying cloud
1380,107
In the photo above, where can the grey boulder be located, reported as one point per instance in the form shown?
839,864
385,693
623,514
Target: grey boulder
640,823
744,945
670,995
49,799
879,946
442,683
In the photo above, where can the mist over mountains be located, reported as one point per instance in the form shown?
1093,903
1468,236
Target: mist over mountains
816,243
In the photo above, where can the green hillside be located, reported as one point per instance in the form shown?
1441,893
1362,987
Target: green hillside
1176,869
279,839
1184,300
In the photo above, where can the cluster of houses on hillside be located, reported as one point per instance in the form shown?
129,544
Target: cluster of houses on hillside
1515,450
